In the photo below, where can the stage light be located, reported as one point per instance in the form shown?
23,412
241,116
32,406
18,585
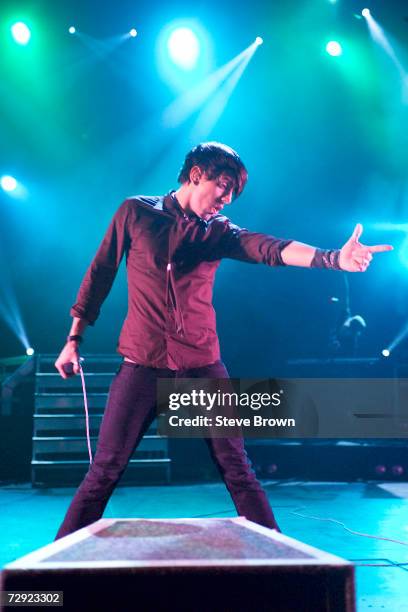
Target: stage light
397,470
72,30
380,469
385,353
366,12
184,48
13,187
21,33
333,48
133,33
184,54
258,40
30,351
8,183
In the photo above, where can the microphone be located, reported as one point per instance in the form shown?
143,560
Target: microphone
69,367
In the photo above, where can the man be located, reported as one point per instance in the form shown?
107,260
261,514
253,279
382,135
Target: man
173,246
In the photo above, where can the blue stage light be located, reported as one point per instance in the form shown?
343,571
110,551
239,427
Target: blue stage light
8,183
30,351
72,29
184,48
184,54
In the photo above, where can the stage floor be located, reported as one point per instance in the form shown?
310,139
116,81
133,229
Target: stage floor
30,519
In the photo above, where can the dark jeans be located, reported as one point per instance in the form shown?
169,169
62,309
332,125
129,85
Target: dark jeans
130,410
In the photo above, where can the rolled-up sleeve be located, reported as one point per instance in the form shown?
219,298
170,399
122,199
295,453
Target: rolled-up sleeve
100,275
252,247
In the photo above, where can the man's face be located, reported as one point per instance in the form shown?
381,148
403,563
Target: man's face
209,196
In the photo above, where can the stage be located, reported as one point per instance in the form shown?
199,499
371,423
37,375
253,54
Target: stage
33,517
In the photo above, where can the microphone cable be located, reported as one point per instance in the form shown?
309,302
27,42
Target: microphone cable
88,436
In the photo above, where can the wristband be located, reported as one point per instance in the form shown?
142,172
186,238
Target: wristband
75,338
328,259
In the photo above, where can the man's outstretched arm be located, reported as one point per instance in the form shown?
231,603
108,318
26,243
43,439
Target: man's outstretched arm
256,247
352,257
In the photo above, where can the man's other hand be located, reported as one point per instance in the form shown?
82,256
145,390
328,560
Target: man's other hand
68,356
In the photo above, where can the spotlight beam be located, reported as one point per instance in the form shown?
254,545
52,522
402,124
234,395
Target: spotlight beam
149,132
398,227
9,310
379,36
102,47
188,103
402,334
211,113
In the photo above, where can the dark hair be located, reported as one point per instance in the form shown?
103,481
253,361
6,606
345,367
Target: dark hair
215,158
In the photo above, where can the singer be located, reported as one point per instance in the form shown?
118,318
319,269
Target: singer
173,246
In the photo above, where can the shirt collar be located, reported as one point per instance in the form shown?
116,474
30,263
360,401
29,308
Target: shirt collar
172,204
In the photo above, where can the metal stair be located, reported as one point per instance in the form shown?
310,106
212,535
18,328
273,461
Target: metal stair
60,453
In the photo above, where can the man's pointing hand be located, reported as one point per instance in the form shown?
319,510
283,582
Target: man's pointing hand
356,257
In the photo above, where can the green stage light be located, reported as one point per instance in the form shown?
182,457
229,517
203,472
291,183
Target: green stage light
21,33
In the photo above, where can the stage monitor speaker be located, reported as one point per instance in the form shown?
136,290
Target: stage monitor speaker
180,565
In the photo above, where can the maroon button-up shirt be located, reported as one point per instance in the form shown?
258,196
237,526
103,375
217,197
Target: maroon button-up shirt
171,262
